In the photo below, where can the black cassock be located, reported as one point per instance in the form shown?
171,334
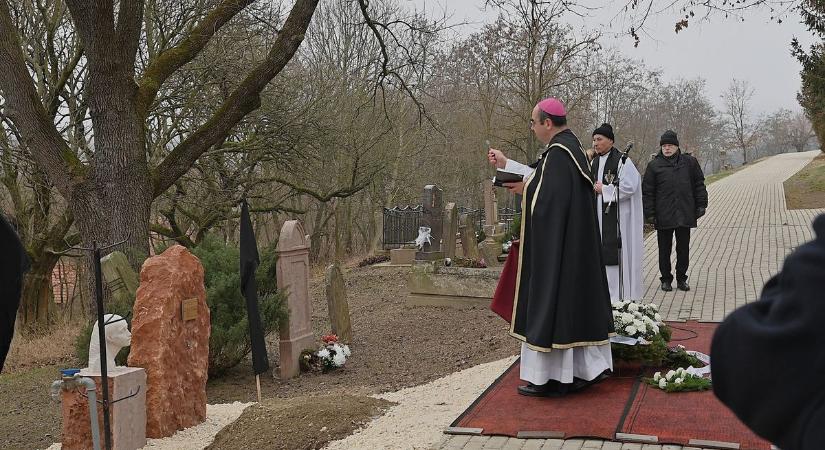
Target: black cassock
768,357
562,297
610,236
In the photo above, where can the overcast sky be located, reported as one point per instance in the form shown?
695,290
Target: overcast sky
717,50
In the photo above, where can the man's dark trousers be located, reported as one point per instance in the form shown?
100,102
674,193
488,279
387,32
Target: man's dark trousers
682,249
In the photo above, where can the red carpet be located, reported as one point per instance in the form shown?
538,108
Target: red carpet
620,404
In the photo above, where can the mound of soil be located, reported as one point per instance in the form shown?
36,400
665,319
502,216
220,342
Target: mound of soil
299,422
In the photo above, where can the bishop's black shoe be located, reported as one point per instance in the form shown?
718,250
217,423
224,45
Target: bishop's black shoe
682,285
579,383
666,286
549,389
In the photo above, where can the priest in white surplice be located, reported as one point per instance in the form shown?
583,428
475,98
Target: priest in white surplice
605,168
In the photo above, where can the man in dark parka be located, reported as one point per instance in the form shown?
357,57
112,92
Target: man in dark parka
674,197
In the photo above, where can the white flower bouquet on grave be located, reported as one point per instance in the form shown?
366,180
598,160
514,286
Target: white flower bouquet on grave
679,380
332,355
636,321
641,336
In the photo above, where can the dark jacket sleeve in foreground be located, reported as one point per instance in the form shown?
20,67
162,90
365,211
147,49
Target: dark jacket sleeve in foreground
700,191
649,193
768,357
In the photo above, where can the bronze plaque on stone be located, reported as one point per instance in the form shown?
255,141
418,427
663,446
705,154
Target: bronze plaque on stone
189,309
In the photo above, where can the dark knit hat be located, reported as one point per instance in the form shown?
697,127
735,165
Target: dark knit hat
605,130
669,138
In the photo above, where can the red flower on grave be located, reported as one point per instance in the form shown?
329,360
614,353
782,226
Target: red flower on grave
329,339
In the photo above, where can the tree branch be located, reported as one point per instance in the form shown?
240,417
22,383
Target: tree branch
243,100
25,108
129,21
170,60
181,239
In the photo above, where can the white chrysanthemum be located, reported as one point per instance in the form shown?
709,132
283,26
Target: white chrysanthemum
657,376
662,383
339,359
633,307
670,374
627,317
678,381
347,352
630,329
680,371
323,354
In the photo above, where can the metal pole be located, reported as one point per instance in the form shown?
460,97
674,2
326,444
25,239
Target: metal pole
101,329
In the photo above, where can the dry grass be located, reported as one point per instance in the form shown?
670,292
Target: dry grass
55,346
806,189
725,173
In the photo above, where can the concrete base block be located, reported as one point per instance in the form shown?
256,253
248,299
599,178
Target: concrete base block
128,416
402,256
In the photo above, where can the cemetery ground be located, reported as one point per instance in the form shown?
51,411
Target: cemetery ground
394,346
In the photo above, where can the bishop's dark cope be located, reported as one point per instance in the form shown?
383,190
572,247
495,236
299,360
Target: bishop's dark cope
562,297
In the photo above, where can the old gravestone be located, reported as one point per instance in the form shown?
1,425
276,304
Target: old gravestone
337,303
172,347
433,218
468,238
450,229
292,271
490,249
490,208
120,278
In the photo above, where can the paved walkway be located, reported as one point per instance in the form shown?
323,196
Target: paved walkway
737,247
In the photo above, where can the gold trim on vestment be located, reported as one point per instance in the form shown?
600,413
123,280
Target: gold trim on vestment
536,348
521,237
569,152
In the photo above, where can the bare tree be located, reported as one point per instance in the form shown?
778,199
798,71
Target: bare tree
109,187
54,60
737,100
799,132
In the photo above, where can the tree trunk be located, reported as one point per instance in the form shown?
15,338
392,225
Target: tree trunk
37,297
114,207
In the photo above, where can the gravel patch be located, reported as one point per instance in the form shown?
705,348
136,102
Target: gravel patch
423,412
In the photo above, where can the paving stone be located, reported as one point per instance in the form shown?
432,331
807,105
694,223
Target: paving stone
514,444
553,444
631,446
592,444
572,444
533,444
496,442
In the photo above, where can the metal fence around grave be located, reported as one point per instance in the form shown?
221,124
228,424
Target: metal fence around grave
506,216
401,223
